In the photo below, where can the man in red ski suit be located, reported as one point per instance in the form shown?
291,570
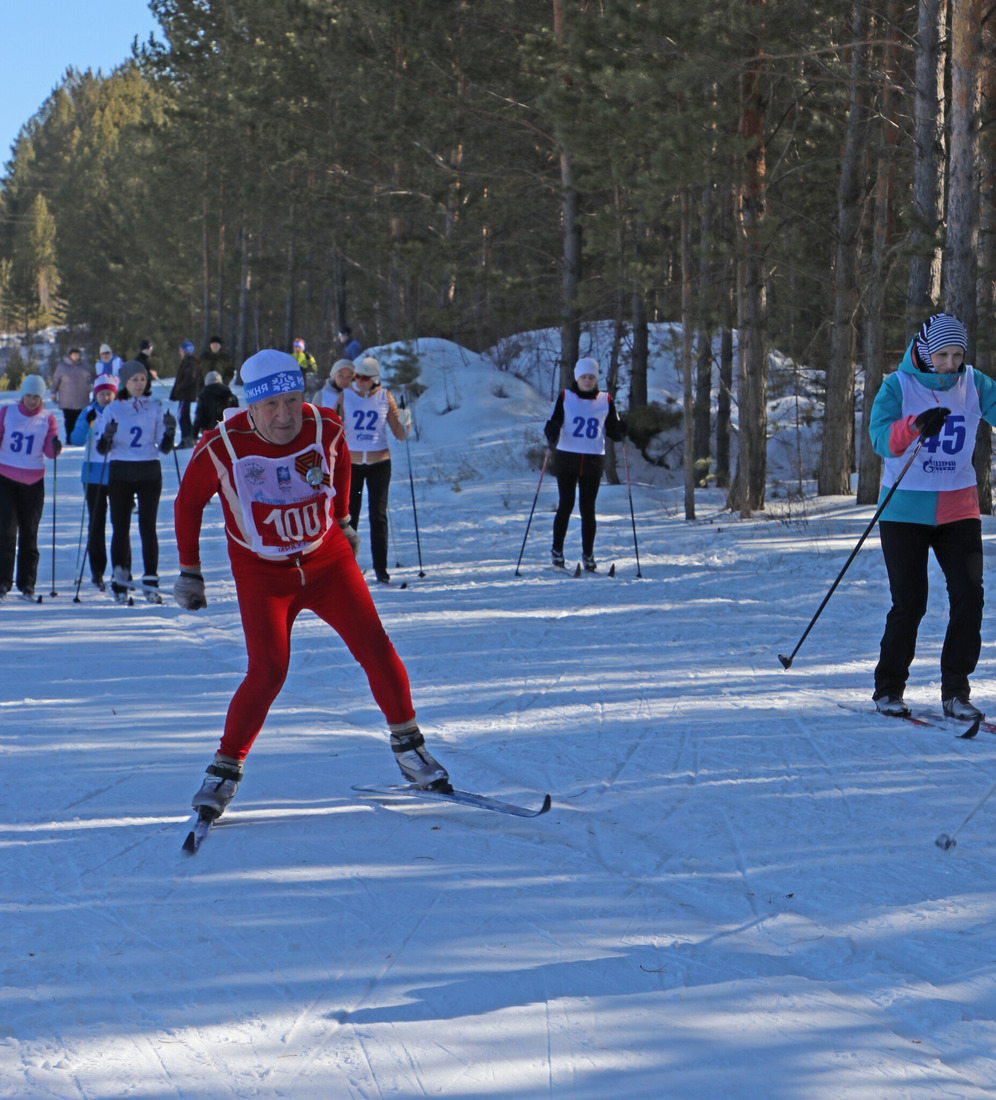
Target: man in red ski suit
281,469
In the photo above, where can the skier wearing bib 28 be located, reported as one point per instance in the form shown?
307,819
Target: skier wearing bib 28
936,398
581,419
281,469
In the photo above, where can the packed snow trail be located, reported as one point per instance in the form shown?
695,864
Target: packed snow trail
736,892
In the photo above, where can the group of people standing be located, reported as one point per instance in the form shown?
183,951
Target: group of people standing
125,431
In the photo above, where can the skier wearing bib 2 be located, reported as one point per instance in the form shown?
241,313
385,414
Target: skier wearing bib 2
581,419
281,469
935,397
133,432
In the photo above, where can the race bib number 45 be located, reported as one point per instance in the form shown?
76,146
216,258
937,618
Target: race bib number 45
284,525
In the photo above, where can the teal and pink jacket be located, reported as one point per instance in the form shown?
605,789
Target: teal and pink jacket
892,432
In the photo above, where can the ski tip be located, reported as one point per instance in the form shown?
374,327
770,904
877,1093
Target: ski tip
404,584
612,569
546,805
786,661
190,844
577,571
972,730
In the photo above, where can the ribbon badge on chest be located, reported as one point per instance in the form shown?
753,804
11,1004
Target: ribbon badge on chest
309,466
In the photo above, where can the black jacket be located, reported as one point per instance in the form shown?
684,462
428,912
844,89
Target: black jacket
211,404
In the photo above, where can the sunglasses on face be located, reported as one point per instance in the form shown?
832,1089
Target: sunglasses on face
362,377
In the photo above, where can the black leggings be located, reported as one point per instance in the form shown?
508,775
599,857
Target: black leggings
958,549
377,478
20,514
586,489
96,500
122,495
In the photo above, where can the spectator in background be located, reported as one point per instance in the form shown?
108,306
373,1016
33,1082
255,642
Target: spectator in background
145,358
186,387
71,388
351,349
214,359
212,402
107,361
309,368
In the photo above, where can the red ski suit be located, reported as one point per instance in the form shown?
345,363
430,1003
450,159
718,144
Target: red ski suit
274,587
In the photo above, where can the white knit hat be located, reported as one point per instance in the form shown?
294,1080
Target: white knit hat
33,384
269,373
585,366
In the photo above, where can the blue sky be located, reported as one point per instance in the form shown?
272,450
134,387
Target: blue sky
42,38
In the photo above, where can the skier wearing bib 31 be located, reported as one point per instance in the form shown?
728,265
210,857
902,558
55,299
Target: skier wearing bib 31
935,397
581,419
281,469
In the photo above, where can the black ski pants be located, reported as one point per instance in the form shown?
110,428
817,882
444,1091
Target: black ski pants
21,509
96,544
123,493
958,549
377,478
585,488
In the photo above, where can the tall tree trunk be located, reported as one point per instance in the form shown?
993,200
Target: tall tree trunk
242,324
206,265
838,419
686,355
870,468
962,242
641,353
220,309
289,286
748,488
570,206
924,287
703,369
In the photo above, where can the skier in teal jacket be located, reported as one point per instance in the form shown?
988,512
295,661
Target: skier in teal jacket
935,398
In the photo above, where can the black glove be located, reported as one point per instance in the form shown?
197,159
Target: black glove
931,421
169,423
552,433
56,447
91,415
167,444
105,441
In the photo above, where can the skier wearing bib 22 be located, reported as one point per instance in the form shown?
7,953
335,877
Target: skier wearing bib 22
281,469
581,419
934,396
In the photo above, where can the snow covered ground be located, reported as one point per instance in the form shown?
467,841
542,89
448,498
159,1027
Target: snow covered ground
736,894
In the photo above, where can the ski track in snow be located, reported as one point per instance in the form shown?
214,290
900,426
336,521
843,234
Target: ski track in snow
735,894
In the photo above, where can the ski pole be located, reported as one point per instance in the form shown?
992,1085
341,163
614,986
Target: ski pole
77,573
529,524
394,544
947,842
787,661
411,482
55,497
632,514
